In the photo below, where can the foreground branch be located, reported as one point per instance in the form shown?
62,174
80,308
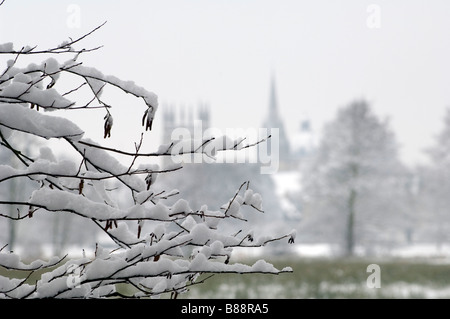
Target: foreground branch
158,248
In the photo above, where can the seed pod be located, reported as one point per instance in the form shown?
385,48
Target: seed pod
30,212
147,119
80,187
144,117
149,180
291,239
50,85
148,125
108,125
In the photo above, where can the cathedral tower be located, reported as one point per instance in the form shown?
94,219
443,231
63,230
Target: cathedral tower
273,121
183,117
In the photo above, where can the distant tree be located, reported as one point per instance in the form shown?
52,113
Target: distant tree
156,248
354,166
435,186
8,229
11,188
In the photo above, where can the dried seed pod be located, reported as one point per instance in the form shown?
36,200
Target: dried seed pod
80,186
108,125
144,117
51,84
148,125
30,212
291,239
147,119
140,227
149,180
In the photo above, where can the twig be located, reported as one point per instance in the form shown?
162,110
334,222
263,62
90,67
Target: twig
234,197
66,48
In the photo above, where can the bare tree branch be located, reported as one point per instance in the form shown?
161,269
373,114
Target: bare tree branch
63,48
153,241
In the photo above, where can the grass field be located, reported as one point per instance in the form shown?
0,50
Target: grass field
325,278
333,278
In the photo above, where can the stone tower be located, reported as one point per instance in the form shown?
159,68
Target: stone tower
182,117
274,121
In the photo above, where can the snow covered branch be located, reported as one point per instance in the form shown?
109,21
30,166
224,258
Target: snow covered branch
157,247
65,47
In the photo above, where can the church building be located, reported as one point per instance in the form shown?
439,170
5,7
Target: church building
292,148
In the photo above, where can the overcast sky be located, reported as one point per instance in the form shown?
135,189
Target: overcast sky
323,54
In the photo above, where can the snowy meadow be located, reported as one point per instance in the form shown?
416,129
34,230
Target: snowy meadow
411,276
415,273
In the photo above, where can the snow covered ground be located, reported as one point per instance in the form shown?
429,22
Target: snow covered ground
327,290
324,250
344,283
418,271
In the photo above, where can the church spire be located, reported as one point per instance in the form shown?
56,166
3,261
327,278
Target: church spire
273,100
273,121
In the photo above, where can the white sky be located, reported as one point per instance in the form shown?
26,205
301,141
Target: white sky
223,52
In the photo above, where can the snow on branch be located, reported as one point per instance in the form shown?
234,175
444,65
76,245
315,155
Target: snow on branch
64,47
158,247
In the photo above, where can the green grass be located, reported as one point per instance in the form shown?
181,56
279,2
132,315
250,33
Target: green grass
322,278
333,278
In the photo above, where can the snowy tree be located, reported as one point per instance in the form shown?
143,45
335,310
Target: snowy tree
156,248
8,230
435,186
353,173
10,188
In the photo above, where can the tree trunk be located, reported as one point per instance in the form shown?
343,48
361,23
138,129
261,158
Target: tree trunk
11,230
350,242
12,223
